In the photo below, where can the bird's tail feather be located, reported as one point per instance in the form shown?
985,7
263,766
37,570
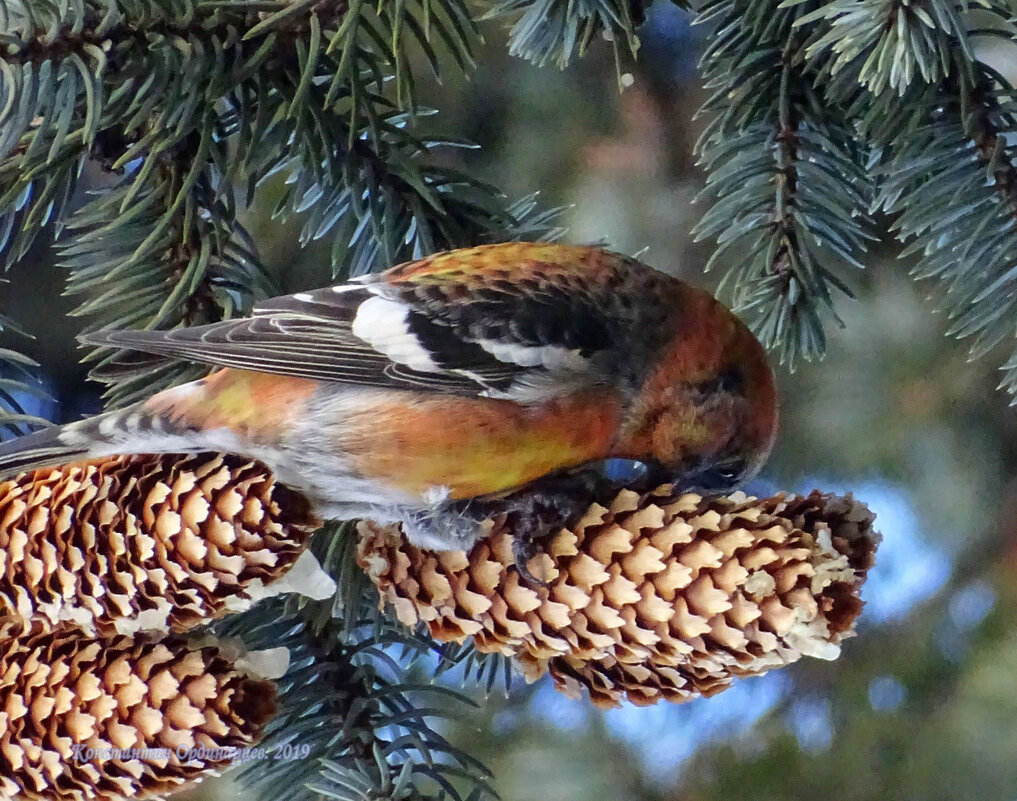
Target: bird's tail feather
131,430
38,449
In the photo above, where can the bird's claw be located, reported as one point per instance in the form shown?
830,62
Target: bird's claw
523,550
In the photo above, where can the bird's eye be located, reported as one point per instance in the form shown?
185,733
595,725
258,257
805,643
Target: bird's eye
721,477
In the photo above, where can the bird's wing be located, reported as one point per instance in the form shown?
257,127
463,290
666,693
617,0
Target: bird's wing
509,320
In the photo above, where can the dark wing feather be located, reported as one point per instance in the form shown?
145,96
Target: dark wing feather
485,327
307,337
288,345
284,346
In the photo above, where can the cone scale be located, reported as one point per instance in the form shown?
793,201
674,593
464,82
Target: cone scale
662,596
146,542
120,717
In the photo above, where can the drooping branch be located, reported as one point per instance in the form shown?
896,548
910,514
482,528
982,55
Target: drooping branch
785,172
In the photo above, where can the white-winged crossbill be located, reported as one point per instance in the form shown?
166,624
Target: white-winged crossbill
427,393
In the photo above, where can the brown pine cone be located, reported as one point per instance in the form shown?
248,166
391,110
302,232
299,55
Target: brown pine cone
656,596
149,542
121,717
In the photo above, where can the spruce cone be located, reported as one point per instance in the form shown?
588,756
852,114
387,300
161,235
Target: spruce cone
120,717
146,542
658,596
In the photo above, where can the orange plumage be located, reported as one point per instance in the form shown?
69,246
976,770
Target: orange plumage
470,373
476,446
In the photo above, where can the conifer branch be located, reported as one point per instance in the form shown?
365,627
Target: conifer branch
786,174
888,44
556,31
937,122
361,731
348,699
194,103
849,100
954,185
134,265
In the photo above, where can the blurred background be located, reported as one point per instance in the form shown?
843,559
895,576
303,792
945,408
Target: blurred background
923,703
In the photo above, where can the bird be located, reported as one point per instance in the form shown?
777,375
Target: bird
443,390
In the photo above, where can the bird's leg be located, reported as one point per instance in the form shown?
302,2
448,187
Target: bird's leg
536,511
533,512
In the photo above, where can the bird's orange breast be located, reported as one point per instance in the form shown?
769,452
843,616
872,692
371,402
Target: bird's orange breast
475,446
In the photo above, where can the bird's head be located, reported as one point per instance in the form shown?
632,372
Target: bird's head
705,416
